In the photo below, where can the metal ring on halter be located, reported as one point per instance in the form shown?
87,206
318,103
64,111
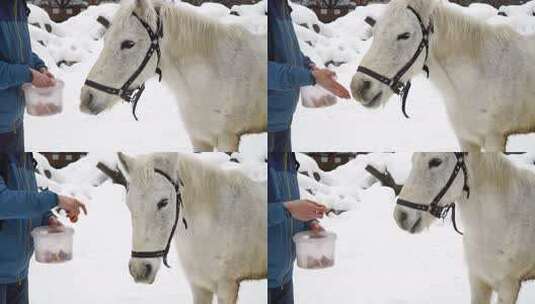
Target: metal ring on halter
132,95
434,208
395,83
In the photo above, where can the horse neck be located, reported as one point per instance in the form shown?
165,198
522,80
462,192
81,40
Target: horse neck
188,34
488,173
199,187
456,35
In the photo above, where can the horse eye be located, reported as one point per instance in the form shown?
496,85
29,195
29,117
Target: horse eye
127,44
404,36
162,203
435,162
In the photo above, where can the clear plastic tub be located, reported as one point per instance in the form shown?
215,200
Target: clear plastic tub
315,250
44,101
53,245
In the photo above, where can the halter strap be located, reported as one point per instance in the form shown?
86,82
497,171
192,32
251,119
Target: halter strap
434,208
179,204
125,92
395,83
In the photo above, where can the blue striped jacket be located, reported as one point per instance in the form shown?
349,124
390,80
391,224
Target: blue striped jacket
16,59
288,68
282,187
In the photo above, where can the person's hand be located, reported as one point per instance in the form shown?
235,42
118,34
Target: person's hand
41,80
53,222
327,79
72,206
315,227
305,210
47,72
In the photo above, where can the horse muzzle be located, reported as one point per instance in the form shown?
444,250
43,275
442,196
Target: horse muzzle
367,92
408,222
143,271
89,102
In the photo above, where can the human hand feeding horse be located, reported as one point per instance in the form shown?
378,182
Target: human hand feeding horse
189,53
483,71
495,201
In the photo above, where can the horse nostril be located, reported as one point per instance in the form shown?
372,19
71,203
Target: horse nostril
366,85
148,270
402,216
89,98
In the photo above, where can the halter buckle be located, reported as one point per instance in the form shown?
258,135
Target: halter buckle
397,87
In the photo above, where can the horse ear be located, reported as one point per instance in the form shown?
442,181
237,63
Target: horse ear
144,5
126,164
424,7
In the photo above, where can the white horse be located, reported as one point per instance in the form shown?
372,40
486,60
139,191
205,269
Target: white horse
221,224
217,71
484,72
498,217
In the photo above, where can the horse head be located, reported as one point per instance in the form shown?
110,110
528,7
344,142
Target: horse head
129,58
436,180
153,199
398,51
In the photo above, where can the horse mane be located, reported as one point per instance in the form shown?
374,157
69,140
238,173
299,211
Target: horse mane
503,171
462,31
199,176
190,31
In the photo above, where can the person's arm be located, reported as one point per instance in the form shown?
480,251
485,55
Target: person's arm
12,75
285,77
37,63
24,204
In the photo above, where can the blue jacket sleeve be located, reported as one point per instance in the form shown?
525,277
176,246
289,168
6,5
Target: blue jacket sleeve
24,204
37,62
307,61
276,213
12,75
44,221
285,77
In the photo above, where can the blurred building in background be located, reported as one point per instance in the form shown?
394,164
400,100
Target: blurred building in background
62,159
328,161
329,10
61,10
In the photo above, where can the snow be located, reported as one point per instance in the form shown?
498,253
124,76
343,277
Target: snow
377,262
348,126
102,242
70,49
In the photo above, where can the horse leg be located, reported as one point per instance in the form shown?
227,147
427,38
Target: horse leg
201,145
495,143
227,292
228,143
469,146
480,291
201,295
508,291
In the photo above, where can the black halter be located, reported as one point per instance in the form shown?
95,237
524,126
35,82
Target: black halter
434,208
163,253
395,82
125,92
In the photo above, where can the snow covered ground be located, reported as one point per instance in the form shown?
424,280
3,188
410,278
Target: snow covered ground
102,243
377,262
71,48
348,126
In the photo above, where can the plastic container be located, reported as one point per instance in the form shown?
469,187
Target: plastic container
44,101
315,250
53,245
